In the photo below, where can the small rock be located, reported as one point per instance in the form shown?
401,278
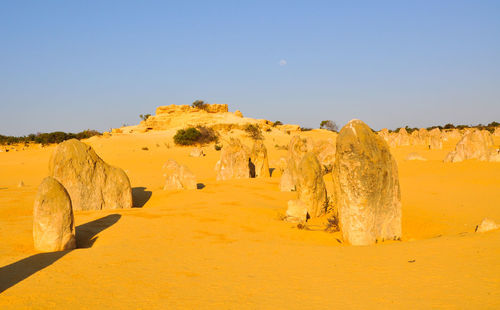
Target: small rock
487,225
178,176
296,212
415,156
197,152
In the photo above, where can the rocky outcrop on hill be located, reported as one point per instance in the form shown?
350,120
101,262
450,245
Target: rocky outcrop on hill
53,223
234,161
476,144
91,183
367,193
178,176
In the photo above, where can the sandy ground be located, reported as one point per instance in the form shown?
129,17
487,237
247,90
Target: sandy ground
224,246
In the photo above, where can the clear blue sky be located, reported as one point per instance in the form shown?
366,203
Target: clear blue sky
72,65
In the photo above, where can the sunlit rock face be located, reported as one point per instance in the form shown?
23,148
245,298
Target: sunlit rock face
367,192
91,183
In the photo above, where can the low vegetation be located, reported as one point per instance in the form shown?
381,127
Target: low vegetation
490,127
254,132
48,138
329,125
198,135
200,104
145,116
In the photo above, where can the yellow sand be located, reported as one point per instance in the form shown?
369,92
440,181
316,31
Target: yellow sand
225,247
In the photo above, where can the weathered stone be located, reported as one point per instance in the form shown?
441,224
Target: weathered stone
311,187
259,163
496,133
487,225
297,148
366,183
234,161
91,183
475,144
238,113
178,176
53,223
435,139
384,133
402,138
197,152
296,212
415,156
325,152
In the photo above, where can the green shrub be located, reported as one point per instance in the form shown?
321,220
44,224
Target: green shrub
208,135
305,129
199,135
217,147
329,125
277,123
200,104
254,132
145,116
48,138
188,136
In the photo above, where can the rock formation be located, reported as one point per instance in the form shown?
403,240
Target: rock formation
325,152
296,211
297,148
476,144
91,183
197,152
366,185
311,187
178,176
487,225
415,156
435,139
234,161
53,223
496,133
402,138
259,163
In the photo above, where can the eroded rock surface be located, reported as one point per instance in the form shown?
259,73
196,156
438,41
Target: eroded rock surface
297,148
91,183
259,166
367,192
311,187
234,161
476,144
178,176
53,222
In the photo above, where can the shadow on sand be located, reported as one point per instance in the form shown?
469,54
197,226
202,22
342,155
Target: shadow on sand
16,272
140,196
